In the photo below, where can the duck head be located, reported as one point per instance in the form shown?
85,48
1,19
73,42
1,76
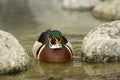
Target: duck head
55,39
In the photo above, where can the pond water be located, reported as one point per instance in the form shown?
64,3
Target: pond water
26,19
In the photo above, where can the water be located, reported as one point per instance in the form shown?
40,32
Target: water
26,19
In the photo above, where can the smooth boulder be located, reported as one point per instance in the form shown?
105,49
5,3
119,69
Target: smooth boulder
13,57
81,5
108,10
102,44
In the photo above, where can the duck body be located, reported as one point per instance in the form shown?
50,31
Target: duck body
52,47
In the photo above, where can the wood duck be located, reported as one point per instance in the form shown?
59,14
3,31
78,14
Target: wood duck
52,46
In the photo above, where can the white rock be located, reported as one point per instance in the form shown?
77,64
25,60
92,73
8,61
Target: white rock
12,55
80,4
109,10
102,44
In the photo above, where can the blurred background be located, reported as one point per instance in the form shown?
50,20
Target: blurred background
65,15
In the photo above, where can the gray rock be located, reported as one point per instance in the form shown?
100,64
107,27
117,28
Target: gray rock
109,10
13,57
81,5
102,44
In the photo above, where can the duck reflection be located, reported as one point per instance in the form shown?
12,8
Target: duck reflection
47,69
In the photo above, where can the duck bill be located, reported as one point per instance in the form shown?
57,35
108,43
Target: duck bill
58,44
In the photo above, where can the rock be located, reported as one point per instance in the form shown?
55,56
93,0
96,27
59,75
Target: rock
109,10
102,44
13,57
81,5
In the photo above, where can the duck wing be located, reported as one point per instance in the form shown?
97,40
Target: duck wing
44,36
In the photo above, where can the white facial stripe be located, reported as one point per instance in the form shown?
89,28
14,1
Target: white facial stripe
35,48
70,46
56,46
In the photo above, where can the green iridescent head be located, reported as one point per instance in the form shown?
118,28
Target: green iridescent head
55,40
57,34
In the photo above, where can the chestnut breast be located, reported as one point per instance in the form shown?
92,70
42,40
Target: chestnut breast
55,55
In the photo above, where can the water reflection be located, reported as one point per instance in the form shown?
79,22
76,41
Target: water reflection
44,70
66,71
75,71
105,69
54,68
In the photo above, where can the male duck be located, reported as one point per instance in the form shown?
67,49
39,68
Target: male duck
52,46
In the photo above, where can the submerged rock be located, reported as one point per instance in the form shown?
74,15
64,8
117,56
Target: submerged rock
102,44
109,10
13,57
81,5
